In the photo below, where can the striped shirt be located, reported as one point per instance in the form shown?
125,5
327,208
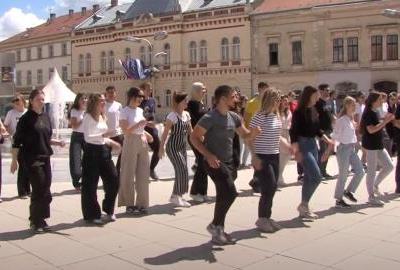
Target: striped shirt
267,142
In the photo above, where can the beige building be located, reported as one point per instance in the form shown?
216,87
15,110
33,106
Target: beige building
38,50
347,44
208,42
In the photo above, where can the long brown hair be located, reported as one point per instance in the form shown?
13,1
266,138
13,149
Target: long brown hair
32,95
177,98
91,108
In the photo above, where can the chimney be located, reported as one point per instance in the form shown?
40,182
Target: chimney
83,11
96,7
70,12
114,3
52,16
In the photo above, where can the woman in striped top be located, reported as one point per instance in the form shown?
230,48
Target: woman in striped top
178,122
265,156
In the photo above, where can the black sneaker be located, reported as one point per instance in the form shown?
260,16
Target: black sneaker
154,175
349,196
46,226
342,204
328,177
254,185
36,229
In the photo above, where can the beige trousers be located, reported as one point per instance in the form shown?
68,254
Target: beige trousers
135,172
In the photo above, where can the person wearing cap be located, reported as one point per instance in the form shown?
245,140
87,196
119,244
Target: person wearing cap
10,123
197,109
149,111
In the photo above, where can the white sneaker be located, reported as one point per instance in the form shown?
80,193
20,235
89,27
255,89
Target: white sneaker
97,221
374,202
197,198
264,225
175,200
110,218
305,212
185,203
275,225
377,192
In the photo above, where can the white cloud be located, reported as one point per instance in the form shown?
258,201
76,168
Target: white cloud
15,20
61,7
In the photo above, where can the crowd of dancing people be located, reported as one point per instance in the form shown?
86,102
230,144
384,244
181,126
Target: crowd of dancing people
272,128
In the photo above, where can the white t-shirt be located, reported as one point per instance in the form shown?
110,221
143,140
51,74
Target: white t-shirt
133,116
93,130
79,117
112,113
344,131
173,117
12,119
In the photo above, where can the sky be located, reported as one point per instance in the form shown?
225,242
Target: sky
17,15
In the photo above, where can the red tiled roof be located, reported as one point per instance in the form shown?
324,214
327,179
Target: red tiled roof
59,25
280,5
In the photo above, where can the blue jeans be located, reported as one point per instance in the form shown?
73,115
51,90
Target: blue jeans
346,155
312,174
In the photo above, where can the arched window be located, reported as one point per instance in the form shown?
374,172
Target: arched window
111,61
81,64
236,49
225,50
168,98
142,52
127,53
88,63
103,62
167,57
193,52
203,51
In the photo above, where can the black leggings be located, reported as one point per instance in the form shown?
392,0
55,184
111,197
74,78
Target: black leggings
200,179
223,178
267,180
155,146
75,157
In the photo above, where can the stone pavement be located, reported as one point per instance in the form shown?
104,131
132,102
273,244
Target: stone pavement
171,238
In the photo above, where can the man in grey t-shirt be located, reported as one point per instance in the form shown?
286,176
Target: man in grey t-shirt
218,128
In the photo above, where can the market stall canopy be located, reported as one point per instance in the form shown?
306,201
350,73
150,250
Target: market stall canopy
56,91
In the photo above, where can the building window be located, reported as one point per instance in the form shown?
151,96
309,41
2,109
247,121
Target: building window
88,65
81,67
236,49
167,57
168,98
29,77
338,50
297,53
203,52
51,51
18,56
273,54
352,49
225,50
39,76
19,78
392,42
39,53
111,61
127,53
64,73
28,55
142,52
376,48
103,62
192,52
51,71
64,49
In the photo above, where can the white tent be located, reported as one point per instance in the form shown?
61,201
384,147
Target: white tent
56,90
57,94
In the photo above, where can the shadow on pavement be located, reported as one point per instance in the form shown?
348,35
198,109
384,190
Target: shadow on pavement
158,209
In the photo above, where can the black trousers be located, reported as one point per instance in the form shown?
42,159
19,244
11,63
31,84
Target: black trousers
97,163
39,171
267,180
75,157
322,148
155,146
119,139
23,185
223,178
200,178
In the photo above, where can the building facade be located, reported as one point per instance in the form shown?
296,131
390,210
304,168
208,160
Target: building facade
207,41
38,50
347,44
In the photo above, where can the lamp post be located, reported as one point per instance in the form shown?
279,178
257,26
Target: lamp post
391,13
161,35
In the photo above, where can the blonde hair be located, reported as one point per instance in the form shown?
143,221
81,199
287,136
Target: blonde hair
346,102
270,101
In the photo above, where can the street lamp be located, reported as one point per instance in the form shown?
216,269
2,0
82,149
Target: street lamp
391,13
